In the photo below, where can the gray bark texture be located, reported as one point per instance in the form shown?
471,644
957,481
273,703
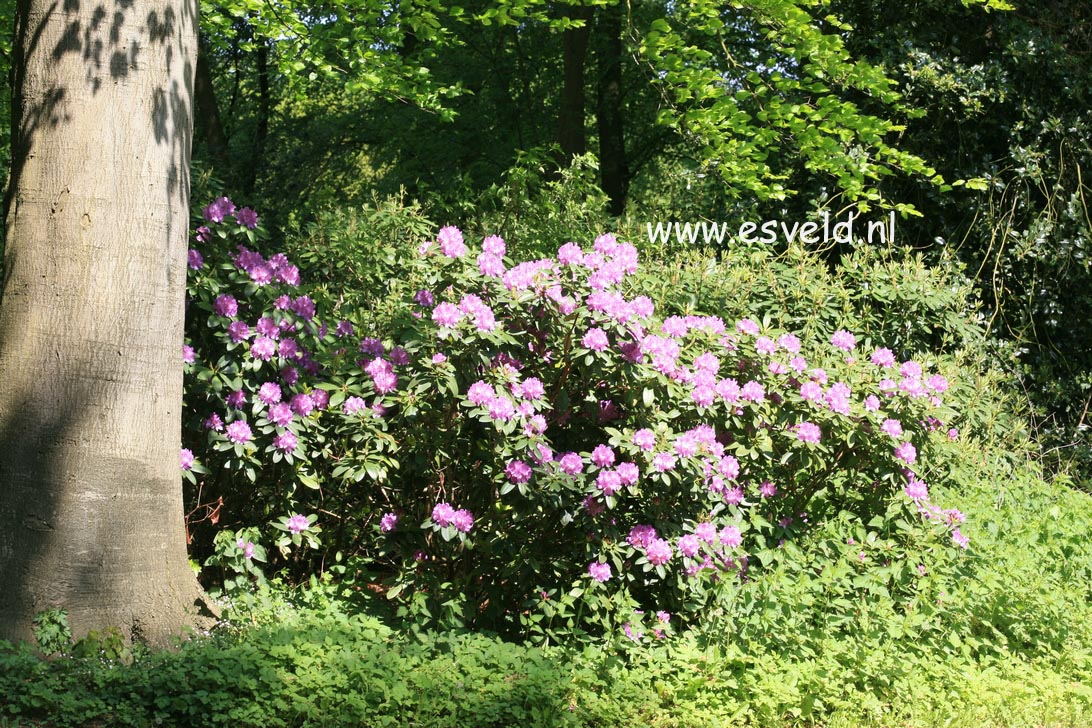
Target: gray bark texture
91,316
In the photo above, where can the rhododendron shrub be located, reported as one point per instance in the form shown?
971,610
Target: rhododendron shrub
530,447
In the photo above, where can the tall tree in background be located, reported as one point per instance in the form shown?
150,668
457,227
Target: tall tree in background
91,317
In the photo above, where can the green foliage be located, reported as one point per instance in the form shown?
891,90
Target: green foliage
1004,643
411,429
51,631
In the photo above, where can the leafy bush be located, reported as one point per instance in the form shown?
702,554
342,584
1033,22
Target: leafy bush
528,448
313,664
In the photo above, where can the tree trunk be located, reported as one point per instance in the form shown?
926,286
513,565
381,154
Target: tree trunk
261,62
574,51
613,167
208,111
91,315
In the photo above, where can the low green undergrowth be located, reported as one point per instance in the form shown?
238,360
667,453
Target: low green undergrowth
1006,641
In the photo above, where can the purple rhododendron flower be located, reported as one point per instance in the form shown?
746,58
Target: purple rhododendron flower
532,389
501,408
628,473
910,369
906,452
596,339
689,545
598,571
570,254
494,245
372,346
298,523
226,305
214,423
937,383
194,259
268,327
280,414
463,520
289,275
288,349
302,404
747,326
892,428
447,315
789,343
811,391
644,439
663,462
352,405
752,392
641,536
706,531
451,242
808,432
236,399
767,489
443,514
731,536
571,463
917,489
480,393
285,442
518,471
186,457
388,522
247,548
658,552
703,396
603,456
238,331
608,481
490,266
269,393
263,348
238,431
304,307
844,340
247,218
216,210
883,358
728,466
188,355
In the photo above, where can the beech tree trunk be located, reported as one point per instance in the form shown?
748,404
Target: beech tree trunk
91,315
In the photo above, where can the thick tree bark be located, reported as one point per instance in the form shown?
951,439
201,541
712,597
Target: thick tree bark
613,166
574,52
91,316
